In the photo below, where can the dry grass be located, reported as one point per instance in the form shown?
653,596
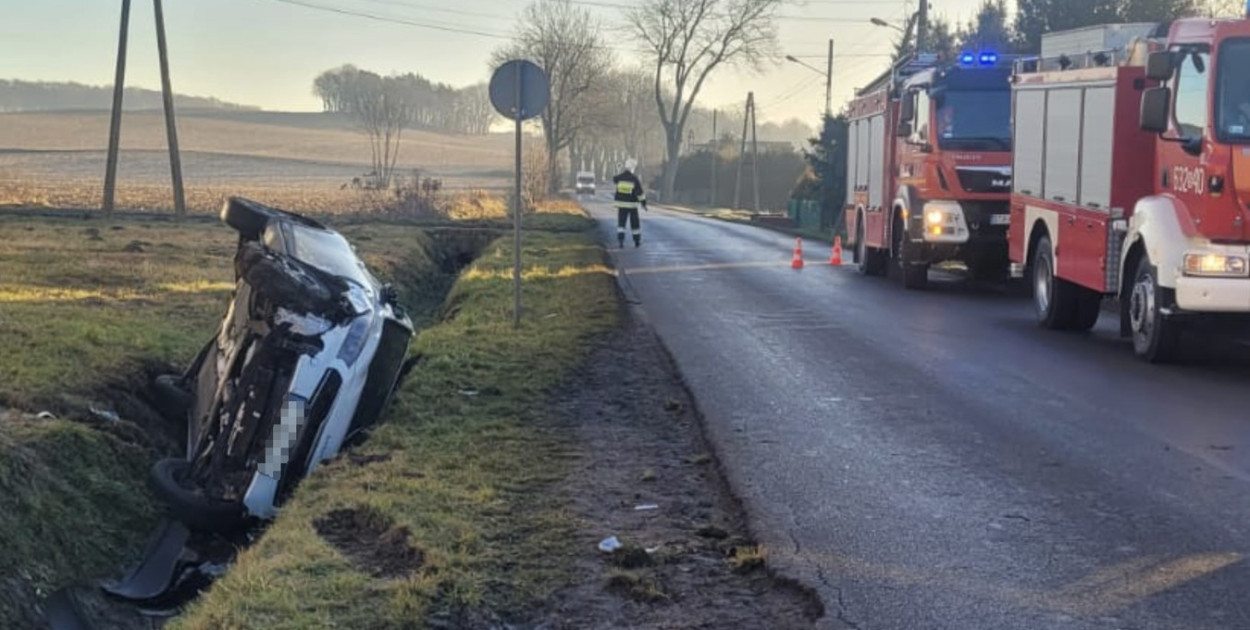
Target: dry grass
80,194
301,161
257,137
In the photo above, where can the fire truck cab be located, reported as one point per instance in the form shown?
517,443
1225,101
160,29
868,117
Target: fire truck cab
929,167
1132,171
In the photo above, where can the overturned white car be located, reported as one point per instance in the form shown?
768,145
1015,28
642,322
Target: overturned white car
310,352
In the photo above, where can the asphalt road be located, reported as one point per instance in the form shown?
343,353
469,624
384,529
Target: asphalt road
935,461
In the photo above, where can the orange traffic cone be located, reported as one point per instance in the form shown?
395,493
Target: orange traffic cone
797,263
836,258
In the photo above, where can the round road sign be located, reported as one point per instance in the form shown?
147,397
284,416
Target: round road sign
519,90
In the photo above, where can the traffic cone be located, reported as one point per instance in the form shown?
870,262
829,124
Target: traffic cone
836,258
797,263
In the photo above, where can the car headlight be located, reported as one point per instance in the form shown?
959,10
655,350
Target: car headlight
1211,264
936,217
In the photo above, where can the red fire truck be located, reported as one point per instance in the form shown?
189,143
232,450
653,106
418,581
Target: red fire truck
929,167
1132,181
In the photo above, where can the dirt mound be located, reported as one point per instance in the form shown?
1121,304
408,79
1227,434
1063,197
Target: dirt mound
373,543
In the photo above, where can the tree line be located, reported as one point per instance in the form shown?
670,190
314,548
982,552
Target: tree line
33,96
429,105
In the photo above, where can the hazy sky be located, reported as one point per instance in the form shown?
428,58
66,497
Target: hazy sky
267,52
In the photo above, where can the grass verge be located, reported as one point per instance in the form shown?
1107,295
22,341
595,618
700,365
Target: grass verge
460,472
89,310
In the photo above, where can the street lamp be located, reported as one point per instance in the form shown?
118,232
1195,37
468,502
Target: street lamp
881,22
828,74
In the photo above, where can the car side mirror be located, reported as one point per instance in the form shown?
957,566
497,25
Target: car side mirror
1155,109
908,110
904,130
1160,65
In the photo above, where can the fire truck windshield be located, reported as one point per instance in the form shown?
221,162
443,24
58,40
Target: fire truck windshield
1232,112
975,120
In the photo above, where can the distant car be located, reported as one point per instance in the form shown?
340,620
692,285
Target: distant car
309,353
585,183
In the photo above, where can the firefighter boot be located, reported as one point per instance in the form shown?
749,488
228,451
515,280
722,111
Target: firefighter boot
637,240
620,241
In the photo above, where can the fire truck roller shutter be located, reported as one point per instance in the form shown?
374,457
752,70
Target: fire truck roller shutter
1156,230
876,168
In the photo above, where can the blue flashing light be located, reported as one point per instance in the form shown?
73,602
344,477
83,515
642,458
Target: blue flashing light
967,59
989,58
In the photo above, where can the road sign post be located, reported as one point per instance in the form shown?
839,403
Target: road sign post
519,90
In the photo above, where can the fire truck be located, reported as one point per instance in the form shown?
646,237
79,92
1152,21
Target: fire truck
1132,182
929,167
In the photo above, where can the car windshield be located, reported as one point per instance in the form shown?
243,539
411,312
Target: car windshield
975,120
1232,113
329,252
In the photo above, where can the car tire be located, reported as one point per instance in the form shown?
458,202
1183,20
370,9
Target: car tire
196,510
1155,338
1054,299
247,217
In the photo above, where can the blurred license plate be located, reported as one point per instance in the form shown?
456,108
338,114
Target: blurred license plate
1000,219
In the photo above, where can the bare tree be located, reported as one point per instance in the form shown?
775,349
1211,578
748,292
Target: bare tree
383,107
689,39
565,41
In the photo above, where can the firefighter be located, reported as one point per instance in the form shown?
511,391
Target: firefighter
629,195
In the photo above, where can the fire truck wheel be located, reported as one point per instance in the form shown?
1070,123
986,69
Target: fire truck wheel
1088,308
869,259
1155,338
902,256
1054,299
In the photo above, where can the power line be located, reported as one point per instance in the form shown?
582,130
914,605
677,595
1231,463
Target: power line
392,20
422,7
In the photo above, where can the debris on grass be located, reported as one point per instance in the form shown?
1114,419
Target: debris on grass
702,459
609,544
649,475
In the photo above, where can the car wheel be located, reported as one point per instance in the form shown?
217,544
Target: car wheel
248,218
1155,338
195,509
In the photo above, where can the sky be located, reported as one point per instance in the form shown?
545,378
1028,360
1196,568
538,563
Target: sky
266,52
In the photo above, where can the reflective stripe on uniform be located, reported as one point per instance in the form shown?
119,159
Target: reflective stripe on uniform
625,188
626,205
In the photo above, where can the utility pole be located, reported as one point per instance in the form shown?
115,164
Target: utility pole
922,26
749,118
755,156
715,153
115,121
742,152
171,129
829,82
